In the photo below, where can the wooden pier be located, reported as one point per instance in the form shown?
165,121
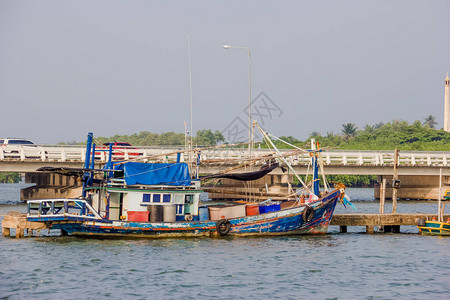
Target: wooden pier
390,222
18,221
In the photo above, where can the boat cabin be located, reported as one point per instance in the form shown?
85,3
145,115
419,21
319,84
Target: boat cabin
148,192
146,204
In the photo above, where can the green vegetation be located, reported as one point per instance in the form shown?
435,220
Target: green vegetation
430,121
349,131
396,134
205,137
145,138
347,180
10,177
354,180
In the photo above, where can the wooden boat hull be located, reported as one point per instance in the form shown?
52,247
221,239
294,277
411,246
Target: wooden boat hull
435,228
283,222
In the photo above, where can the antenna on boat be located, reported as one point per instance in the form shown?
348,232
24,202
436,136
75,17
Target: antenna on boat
185,137
190,96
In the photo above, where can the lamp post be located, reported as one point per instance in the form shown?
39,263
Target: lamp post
250,127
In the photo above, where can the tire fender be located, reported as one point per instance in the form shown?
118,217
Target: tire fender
308,214
223,227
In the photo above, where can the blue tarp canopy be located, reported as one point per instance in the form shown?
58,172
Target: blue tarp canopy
153,174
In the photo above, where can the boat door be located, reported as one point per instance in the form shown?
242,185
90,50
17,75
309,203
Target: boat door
115,205
188,201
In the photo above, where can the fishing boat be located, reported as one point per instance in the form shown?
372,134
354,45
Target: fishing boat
159,200
436,226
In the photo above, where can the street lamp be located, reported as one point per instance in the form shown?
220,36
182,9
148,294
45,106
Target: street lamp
250,127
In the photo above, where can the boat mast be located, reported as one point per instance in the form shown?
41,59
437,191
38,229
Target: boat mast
283,158
315,167
86,161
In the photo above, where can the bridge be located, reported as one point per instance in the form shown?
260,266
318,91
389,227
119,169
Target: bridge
25,159
421,172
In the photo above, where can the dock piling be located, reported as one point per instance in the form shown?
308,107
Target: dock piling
18,221
394,181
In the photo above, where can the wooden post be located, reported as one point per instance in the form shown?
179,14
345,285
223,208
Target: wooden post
19,233
440,197
6,232
382,195
382,201
394,189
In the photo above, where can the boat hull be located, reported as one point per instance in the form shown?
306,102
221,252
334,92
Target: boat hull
284,222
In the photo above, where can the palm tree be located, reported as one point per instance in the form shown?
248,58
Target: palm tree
349,130
369,129
314,134
378,125
430,121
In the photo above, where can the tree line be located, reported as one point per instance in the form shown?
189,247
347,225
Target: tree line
10,177
418,136
381,136
204,137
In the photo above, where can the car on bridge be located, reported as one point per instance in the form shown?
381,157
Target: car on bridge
15,147
120,150
14,141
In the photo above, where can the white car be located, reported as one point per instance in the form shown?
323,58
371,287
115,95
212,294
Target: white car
15,148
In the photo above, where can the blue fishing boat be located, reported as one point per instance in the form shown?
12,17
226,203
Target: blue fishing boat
159,200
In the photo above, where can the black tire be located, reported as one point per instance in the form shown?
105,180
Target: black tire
308,214
223,227
421,222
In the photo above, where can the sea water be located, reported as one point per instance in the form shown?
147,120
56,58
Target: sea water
353,265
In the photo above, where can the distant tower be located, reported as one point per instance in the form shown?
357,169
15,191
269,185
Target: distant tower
447,106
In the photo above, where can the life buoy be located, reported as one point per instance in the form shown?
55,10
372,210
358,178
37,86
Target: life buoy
308,214
188,217
223,227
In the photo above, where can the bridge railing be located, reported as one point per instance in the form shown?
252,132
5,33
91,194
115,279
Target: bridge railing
222,156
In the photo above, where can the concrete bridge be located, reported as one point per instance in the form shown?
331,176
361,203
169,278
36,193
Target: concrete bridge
418,170
25,159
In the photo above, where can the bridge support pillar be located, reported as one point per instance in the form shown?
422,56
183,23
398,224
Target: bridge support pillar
420,187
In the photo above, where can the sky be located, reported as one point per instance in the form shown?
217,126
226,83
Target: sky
121,67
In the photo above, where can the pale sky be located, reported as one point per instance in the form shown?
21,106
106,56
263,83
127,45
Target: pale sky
121,67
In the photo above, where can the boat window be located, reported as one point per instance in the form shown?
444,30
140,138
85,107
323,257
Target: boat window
166,198
156,198
188,198
177,199
147,198
180,209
